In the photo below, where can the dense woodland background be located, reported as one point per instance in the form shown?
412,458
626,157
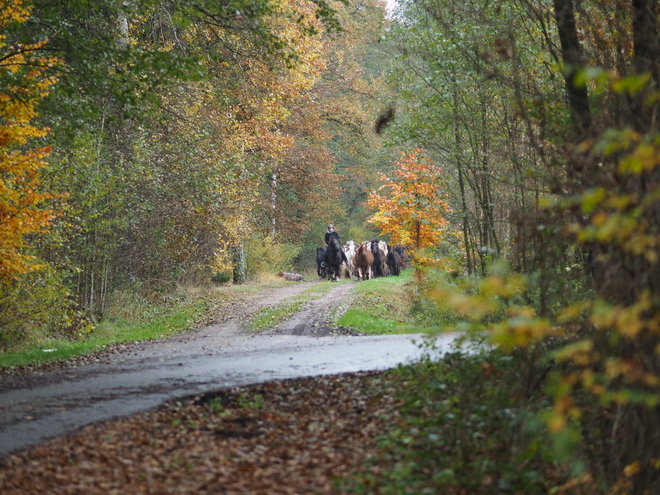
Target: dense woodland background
147,143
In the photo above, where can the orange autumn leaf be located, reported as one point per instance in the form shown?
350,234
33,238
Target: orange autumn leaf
26,80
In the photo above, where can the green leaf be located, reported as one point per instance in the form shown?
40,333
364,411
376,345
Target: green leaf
591,199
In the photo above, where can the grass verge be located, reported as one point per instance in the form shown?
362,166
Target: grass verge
130,318
179,320
387,305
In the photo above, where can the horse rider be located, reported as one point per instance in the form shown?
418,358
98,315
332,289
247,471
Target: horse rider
331,233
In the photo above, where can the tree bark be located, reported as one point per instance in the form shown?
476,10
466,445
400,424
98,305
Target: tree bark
646,59
465,220
123,39
645,37
461,184
578,97
240,268
273,203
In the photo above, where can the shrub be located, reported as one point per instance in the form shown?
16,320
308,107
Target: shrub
266,256
39,306
221,278
464,428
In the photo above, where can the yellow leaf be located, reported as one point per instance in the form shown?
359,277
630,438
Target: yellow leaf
556,423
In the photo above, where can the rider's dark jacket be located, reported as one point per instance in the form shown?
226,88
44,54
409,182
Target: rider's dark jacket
329,234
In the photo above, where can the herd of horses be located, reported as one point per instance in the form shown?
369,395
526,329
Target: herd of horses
366,260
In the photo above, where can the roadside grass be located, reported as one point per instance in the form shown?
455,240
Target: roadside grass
106,333
270,317
131,318
388,305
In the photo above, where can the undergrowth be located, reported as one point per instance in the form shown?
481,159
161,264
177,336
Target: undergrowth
466,428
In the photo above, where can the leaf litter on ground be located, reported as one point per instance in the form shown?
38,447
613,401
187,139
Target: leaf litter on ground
280,437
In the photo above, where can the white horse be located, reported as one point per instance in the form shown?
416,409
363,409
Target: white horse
349,250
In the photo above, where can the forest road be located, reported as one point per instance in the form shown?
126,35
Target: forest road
38,406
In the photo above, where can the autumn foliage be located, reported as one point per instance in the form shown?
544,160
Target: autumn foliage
25,81
410,207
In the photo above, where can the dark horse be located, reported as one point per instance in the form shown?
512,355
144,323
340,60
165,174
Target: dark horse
320,262
379,259
333,259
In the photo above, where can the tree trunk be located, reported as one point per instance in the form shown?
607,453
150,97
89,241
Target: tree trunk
465,220
578,97
645,37
646,47
123,38
273,203
461,185
240,269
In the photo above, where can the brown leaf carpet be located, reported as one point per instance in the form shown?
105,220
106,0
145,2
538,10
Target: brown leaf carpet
281,437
